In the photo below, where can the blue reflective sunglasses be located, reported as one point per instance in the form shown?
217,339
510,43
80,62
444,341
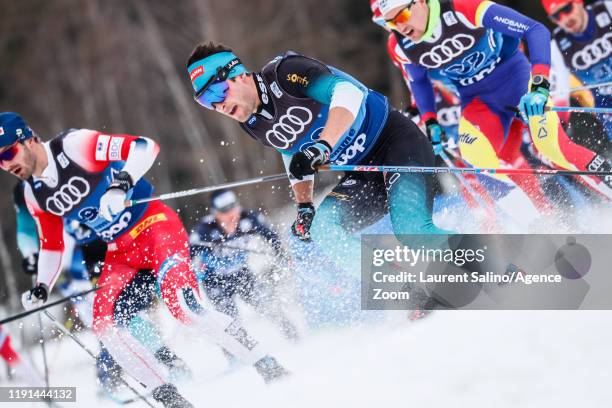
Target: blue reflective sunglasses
215,89
214,93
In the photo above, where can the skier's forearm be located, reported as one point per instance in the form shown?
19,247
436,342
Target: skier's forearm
422,91
51,243
339,121
142,155
344,100
303,191
49,267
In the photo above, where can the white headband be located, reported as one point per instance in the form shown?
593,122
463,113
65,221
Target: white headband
386,5
224,200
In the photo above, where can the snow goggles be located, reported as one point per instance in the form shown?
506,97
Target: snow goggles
9,154
214,92
563,11
215,88
401,17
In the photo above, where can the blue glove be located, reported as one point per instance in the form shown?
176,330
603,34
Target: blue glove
435,134
534,102
305,163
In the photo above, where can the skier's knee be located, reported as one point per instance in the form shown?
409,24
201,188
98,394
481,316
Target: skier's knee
477,149
138,295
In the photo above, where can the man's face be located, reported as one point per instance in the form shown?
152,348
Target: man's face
415,26
228,220
570,16
24,161
241,100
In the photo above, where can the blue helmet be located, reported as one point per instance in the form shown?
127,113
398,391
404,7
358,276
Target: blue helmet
13,129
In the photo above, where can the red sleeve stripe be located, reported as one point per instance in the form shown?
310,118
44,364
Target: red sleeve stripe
428,115
540,69
50,231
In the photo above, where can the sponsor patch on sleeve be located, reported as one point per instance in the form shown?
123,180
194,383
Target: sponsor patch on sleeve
63,160
102,147
114,149
603,20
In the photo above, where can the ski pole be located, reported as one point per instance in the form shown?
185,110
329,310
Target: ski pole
458,158
492,204
577,109
91,353
47,305
581,109
585,88
460,170
43,347
195,191
211,245
466,184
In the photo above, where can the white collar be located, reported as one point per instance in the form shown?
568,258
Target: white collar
49,175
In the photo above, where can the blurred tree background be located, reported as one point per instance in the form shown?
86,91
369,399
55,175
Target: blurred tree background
119,66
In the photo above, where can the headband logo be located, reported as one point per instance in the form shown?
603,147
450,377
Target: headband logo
199,71
233,63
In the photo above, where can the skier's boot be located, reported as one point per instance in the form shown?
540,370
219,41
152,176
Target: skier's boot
169,397
108,373
270,370
177,367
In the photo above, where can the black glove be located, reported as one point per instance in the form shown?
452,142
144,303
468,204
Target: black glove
30,264
122,181
305,163
95,270
35,297
301,226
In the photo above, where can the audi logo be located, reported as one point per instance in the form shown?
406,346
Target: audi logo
447,50
593,53
289,127
68,196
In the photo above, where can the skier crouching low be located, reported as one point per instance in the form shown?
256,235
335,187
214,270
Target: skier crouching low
315,114
87,176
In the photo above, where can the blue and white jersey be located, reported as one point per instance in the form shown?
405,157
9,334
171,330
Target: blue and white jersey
296,93
466,41
215,252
